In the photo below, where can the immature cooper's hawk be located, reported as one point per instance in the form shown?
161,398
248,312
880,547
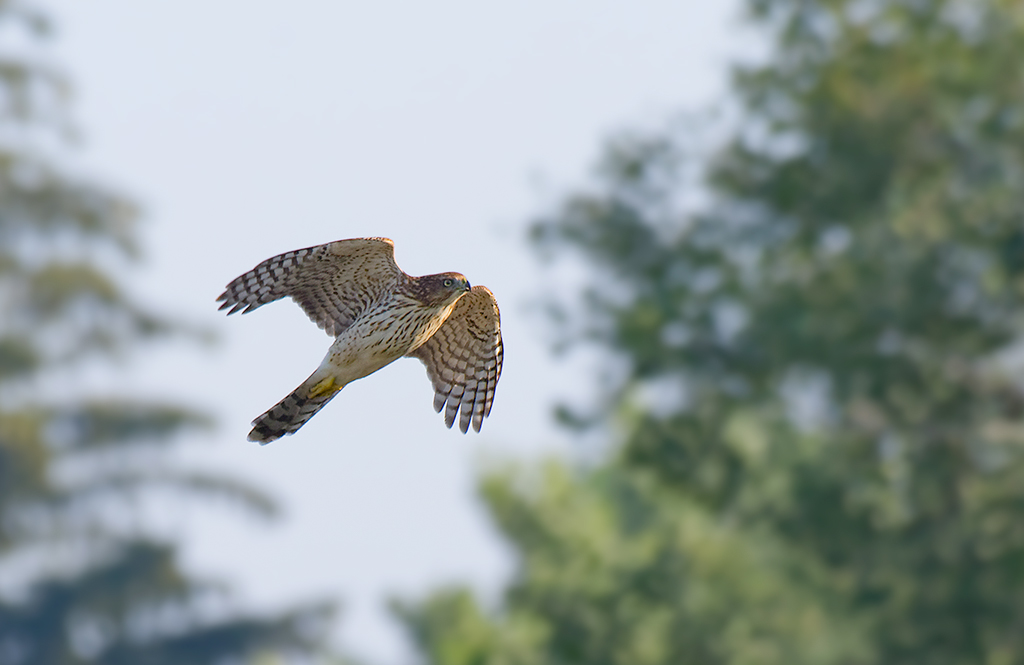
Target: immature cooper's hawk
355,291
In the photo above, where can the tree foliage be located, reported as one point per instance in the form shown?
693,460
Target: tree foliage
819,368
83,582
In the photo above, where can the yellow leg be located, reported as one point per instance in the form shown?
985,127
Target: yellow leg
326,386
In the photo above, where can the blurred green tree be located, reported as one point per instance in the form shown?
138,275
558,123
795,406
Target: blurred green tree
816,354
80,580
616,570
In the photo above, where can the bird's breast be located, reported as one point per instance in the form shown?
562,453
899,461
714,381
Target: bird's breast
381,336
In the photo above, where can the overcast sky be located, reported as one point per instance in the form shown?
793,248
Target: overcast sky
250,128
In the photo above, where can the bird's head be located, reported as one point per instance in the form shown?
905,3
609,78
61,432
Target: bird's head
441,289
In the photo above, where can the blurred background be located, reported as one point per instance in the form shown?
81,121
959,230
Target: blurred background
760,266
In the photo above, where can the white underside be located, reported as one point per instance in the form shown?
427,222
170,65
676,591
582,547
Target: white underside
366,347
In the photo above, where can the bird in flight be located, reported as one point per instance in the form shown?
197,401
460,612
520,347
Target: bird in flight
355,292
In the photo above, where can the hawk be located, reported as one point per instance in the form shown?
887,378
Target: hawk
355,292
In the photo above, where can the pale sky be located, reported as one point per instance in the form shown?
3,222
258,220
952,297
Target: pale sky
249,128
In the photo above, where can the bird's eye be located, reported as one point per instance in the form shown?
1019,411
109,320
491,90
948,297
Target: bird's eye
447,282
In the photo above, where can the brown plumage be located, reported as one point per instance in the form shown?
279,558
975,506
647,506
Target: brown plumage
355,291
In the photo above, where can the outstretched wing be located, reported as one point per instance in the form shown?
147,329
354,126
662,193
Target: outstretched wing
333,283
463,359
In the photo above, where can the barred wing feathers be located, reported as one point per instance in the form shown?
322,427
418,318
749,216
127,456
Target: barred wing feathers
333,283
463,359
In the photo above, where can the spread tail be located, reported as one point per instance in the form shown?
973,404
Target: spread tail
291,413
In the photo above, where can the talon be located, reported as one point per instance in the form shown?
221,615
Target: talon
328,385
